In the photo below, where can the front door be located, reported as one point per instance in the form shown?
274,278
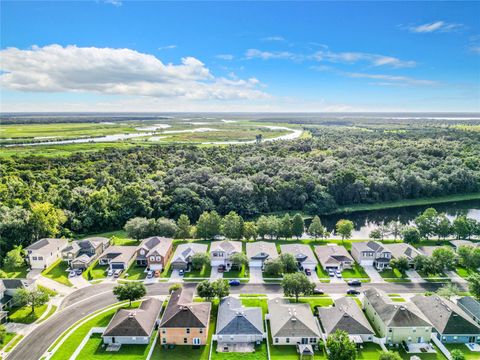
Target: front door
196,341
420,340
113,339
471,339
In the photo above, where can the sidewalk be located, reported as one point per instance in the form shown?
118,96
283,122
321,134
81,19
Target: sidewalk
52,284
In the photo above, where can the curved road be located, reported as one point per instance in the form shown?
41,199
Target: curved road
89,299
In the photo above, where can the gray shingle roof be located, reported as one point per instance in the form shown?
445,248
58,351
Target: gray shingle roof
158,244
291,320
471,305
227,246
13,284
403,249
261,250
47,245
183,251
302,252
119,253
235,319
446,316
395,314
346,316
135,322
329,255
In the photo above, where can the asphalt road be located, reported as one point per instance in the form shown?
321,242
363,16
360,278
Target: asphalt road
89,299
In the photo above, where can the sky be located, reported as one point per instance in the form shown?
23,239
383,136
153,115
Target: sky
239,56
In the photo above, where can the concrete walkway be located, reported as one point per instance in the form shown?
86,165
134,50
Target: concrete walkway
256,275
373,274
175,277
79,281
455,277
214,274
414,276
52,284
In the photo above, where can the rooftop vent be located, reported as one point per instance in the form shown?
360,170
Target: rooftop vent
131,315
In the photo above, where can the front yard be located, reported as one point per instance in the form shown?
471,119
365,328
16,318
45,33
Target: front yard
95,271
17,273
25,315
356,272
58,272
464,272
135,272
236,274
393,275
204,272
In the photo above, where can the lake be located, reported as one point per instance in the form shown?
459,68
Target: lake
366,221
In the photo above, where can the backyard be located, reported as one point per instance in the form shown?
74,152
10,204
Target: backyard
259,354
469,355
58,272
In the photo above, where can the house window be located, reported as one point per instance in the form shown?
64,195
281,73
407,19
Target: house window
164,340
276,340
40,258
142,252
164,331
152,258
159,258
34,258
287,340
200,331
389,330
313,340
185,340
455,337
188,331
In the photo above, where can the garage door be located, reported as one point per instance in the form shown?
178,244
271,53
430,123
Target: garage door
116,266
255,263
366,262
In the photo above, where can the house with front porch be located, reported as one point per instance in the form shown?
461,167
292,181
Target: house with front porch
334,257
302,253
80,254
371,253
118,257
9,287
222,251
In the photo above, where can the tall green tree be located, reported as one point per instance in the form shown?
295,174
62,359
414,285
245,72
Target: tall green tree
262,226
289,263
344,229
130,291
340,347
139,227
274,268
462,227
31,297
184,229
443,227
375,234
14,259
209,225
165,227
285,229
316,228
250,230
411,235
199,260
206,290
427,222
297,284
239,259
221,288
233,226
444,258
46,220
401,264
474,285
298,226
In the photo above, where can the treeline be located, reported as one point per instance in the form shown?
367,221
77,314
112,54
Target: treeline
100,191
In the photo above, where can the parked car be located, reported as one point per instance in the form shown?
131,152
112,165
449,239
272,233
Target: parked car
338,273
72,273
157,273
318,291
331,273
355,283
234,282
219,237
353,292
79,271
117,273
149,274
221,268
181,272
308,272
110,272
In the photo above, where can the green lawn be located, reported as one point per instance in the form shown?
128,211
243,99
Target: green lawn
256,302
314,301
469,355
259,354
95,271
203,273
119,237
70,344
18,273
393,275
49,291
25,315
95,351
437,356
369,351
12,344
135,272
322,274
236,274
8,336
356,272
58,272
464,272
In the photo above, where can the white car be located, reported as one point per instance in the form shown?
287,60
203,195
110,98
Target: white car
72,273
110,272
331,273
338,273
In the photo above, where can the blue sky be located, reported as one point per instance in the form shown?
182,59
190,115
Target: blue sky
237,56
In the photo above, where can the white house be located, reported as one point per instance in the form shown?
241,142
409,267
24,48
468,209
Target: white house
45,252
221,251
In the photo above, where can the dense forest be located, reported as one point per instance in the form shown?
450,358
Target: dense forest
336,166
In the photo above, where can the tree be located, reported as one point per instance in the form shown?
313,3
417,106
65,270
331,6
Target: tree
396,228
274,268
285,229
375,234
174,287
296,284
46,220
469,257
184,229
165,227
262,226
209,225
411,235
3,333
221,288
462,227
457,354
401,264
443,258
250,230
130,291
340,347
427,222
239,259
139,228
199,260
32,298
206,290
316,228
384,231
389,355
448,290
289,263
344,228
298,226
232,225
14,258
443,227
474,285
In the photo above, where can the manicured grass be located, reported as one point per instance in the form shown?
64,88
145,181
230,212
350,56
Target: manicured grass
322,274
17,273
256,302
94,350
101,320
393,275
25,315
314,301
8,337
203,273
119,237
259,354
236,274
356,272
437,356
369,351
49,291
95,271
464,272
12,343
135,272
52,310
58,272
469,355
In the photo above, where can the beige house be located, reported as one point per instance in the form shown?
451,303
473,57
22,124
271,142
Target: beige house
302,253
371,253
182,257
258,252
118,257
407,251
221,252
396,322
45,252
334,257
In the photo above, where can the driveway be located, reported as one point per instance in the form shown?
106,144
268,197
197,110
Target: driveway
414,276
256,276
314,277
375,277
214,275
79,281
175,277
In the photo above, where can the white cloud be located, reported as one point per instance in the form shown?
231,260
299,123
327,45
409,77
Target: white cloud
273,38
267,55
225,57
167,47
113,2
391,79
437,26
54,68
475,49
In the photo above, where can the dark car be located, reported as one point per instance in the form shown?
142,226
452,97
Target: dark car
79,271
355,283
318,291
308,272
234,282
221,268
353,292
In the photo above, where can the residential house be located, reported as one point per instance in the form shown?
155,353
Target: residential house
45,252
154,252
347,316
405,250
133,326
449,321
334,257
459,243
182,258
303,254
471,307
428,250
8,288
258,252
371,253
118,257
184,321
239,328
222,251
292,324
396,322
81,253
